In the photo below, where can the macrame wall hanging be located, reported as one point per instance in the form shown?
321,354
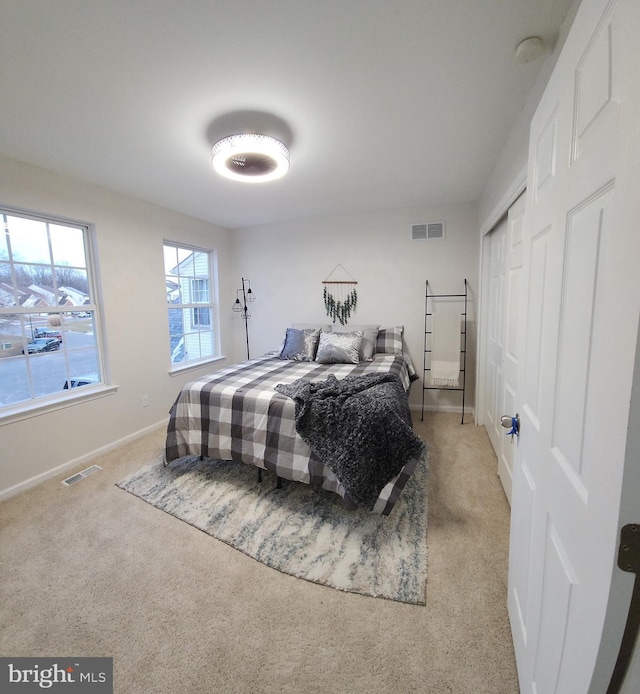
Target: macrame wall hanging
340,295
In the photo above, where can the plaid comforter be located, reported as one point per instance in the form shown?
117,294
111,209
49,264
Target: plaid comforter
236,414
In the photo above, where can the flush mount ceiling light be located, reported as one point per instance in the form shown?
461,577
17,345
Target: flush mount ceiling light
529,49
250,157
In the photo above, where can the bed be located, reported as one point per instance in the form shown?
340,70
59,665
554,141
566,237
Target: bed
248,413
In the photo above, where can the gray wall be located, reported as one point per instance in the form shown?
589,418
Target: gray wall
129,236
288,262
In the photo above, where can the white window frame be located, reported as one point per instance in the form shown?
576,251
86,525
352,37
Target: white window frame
40,404
196,292
191,308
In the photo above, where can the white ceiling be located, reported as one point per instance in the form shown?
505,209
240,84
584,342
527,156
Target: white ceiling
383,103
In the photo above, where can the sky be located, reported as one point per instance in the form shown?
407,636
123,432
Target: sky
30,241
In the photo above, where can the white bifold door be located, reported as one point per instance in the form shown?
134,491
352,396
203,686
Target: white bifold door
504,264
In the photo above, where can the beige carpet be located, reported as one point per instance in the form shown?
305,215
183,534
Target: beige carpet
89,571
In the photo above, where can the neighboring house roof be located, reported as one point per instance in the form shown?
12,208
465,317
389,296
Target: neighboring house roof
34,300
38,295
73,296
42,295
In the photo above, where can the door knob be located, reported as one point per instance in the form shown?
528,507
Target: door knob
512,423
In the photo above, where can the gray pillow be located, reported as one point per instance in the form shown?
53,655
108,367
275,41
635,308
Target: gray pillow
389,340
369,337
300,345
339,348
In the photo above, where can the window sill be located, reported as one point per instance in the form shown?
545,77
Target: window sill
191,366
25,411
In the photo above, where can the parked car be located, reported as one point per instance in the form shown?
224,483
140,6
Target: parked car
43,344
45,332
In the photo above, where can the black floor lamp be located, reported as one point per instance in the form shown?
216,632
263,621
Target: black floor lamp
242,308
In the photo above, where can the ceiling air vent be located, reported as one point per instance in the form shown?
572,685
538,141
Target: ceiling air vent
426,232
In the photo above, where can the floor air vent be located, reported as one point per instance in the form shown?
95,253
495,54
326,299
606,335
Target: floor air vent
81,475
426,232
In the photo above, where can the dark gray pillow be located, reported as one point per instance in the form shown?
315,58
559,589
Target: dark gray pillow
300,345
339,348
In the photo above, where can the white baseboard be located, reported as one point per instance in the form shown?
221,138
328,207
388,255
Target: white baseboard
76,462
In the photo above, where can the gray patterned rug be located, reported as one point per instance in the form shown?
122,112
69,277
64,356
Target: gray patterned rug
297,529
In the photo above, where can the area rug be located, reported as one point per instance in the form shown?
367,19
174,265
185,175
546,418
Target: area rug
297,529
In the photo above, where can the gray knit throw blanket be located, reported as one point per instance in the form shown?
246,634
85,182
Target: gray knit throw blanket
359,426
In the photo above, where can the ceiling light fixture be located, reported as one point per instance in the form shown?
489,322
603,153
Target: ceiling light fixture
530,49
250,157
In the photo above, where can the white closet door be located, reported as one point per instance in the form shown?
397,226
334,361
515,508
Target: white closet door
501,377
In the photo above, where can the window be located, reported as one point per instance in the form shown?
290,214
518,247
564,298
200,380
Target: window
48,335
190,301
200,293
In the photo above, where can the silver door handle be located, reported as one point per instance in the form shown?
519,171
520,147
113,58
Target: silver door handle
512,423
